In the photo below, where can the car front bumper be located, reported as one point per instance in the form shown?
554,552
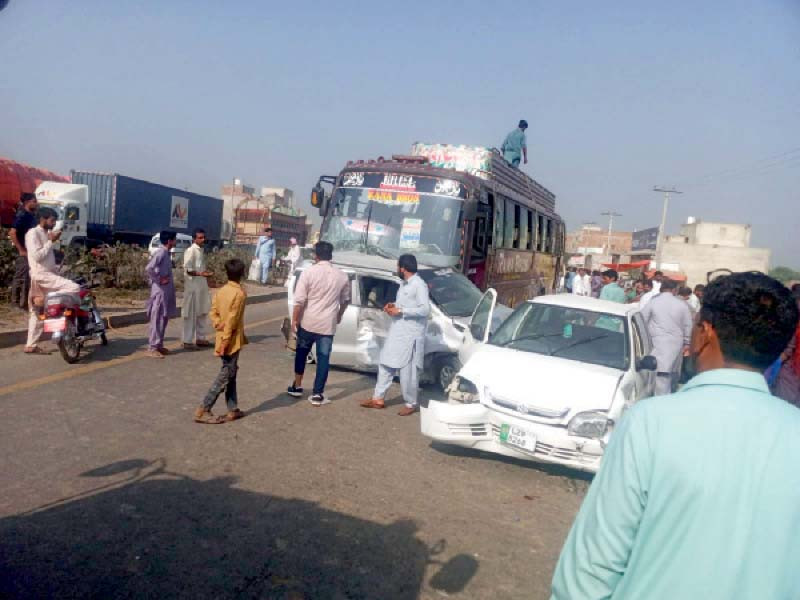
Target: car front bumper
478,426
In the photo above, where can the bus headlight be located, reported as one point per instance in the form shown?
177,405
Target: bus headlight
592,424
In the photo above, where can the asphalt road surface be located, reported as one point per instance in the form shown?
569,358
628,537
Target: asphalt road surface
110,490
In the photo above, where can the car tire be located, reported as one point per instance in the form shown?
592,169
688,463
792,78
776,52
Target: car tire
446,369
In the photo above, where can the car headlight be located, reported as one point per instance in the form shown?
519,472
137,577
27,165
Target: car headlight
592,424
463,390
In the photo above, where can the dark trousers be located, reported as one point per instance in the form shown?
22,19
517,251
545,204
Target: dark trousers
324,343
21,284
226,380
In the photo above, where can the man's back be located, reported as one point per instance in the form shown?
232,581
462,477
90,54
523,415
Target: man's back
322,289
702,497
665,314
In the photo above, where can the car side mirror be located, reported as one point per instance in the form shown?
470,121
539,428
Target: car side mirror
647,363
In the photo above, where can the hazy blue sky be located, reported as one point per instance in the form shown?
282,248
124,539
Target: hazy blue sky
619,96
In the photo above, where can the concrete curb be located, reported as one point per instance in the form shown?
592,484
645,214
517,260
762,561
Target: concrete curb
15,338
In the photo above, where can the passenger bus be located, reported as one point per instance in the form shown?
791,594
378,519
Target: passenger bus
458,207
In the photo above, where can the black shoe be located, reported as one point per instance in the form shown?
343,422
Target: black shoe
319,400
294,392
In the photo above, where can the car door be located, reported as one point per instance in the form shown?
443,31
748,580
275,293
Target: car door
643,346
344,348
479,328
368,326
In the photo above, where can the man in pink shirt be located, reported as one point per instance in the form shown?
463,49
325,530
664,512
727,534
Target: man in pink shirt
320,299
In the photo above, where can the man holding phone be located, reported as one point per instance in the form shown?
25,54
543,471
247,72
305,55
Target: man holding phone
44,273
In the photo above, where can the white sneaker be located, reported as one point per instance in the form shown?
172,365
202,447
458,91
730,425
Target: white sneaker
319,400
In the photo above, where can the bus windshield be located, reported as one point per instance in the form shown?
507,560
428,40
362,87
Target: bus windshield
391,223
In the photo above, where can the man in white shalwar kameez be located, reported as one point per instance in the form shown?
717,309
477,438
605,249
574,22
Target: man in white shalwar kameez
669,322
44,273
196,299
404,350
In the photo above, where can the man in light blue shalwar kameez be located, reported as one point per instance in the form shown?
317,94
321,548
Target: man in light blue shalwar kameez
404,350
265,253
698,495
515,146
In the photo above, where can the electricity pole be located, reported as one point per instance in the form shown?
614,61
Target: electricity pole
610,214
660,243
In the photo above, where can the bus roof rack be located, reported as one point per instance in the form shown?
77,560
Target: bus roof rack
407,158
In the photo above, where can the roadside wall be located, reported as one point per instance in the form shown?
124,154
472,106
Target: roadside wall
696,260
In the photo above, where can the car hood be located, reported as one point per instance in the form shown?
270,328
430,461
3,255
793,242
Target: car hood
547,386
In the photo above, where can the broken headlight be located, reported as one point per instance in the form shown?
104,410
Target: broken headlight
463,390
592,424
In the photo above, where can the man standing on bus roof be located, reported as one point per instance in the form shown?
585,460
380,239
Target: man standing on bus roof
515,145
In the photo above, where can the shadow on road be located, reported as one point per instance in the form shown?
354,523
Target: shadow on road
552,470
334,392
152,533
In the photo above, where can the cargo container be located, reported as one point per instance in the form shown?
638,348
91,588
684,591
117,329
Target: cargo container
130,210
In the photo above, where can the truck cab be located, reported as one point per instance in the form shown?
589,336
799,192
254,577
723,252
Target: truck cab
71,203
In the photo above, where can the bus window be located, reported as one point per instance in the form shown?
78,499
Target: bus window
548,239
523,229
498,222
481,235
518,227
509,230
528,227
540,234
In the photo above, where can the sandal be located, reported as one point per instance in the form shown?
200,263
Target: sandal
203,344
206,417
36,350
234,414
371,403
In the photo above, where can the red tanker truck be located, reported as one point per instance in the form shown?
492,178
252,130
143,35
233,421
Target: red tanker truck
17,178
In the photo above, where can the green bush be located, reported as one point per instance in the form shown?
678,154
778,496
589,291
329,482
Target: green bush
215,261
8,255
119,266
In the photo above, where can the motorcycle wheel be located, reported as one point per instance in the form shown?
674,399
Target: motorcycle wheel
103,339
69,346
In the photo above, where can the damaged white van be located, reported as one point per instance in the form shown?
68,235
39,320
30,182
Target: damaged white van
550,384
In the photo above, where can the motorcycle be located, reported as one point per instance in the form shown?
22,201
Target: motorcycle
73,319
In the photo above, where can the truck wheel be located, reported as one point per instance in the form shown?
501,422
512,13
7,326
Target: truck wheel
446,370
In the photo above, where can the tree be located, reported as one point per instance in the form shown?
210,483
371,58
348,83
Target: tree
785,274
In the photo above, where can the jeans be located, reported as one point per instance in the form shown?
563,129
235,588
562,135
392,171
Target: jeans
306,339
21,284
226,380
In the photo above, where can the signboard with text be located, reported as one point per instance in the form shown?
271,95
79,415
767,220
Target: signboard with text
645,239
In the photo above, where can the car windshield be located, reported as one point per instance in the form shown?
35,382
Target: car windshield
572,333
456,295
390,223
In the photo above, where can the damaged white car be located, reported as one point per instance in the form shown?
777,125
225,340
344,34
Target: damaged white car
549,384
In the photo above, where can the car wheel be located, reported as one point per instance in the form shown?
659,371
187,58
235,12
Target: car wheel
447,369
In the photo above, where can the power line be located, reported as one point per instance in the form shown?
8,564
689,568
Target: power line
786,158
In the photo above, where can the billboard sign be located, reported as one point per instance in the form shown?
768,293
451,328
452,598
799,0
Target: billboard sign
645,239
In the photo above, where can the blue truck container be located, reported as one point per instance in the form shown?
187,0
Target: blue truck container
130,210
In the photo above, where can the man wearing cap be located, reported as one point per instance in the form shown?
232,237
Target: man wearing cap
515,145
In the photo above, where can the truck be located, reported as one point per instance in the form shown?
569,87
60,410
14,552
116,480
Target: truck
108,207
15,179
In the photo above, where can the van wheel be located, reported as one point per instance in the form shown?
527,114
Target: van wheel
446,370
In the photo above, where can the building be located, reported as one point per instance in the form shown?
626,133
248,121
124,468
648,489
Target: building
591,245
702,247
250,214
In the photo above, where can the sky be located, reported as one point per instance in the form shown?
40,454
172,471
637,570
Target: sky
620,96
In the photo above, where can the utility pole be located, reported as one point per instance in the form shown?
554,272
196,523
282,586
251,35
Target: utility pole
610,214
660,243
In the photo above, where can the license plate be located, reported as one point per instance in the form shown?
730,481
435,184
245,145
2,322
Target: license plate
53,325
517,438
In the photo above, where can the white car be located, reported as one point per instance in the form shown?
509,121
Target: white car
182,243
550,383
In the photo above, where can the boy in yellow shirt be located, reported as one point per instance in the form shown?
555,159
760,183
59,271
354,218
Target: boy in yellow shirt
227,316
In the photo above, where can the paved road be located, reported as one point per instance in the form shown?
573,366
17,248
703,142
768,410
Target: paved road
110,489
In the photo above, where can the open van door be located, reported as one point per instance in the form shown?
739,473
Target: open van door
479,326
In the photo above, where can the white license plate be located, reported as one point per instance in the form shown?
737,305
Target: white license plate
53,325
518,438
